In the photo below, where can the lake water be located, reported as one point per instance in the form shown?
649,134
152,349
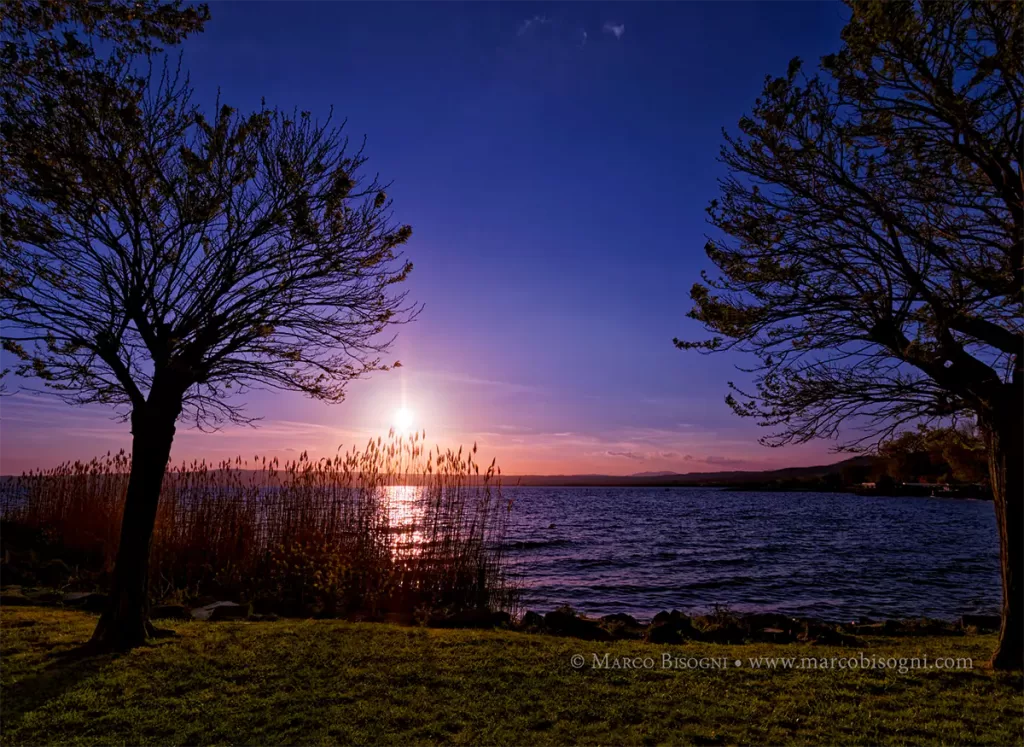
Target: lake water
829,555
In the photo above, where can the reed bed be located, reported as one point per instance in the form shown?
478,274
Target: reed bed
391,528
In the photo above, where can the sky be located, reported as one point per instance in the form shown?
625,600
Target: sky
554,161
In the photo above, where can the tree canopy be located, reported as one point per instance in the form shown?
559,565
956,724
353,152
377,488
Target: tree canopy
945,455
873,227
41,54
153,246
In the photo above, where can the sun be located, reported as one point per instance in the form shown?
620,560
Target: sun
403,420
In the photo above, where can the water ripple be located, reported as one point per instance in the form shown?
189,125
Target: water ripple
830,555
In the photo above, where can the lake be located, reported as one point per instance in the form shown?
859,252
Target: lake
835,556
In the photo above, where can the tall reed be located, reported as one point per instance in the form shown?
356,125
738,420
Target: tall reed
392,527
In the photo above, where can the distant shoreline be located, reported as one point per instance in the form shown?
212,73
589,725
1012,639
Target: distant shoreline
956,492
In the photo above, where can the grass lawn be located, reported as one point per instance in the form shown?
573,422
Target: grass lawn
328,682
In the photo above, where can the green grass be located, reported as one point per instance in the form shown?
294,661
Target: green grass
330,682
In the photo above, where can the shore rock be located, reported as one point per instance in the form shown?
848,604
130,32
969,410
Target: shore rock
170,612
221,611
474,618
872,628
922,626
722,633
55,573
762,620
532,620
981,622
828,636
773,635
671,627
664,633
623,627
12,597
90,601
621,618
43,597
573,626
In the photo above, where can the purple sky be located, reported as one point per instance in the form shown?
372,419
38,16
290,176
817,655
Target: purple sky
554,162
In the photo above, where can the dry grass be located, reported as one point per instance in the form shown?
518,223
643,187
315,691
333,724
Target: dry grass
393,527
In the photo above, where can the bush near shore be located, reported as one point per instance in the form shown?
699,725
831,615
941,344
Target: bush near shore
335,682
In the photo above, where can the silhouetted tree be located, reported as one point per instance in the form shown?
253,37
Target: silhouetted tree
159,261
874,223
954,455
42,54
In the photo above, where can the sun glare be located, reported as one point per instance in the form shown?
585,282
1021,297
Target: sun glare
403,420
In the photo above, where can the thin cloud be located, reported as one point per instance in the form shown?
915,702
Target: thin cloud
529,23
474,381
626,455
615,29
723,461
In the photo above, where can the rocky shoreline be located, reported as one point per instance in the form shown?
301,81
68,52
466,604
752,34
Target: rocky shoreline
666,628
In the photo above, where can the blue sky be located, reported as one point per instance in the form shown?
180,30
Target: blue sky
554,161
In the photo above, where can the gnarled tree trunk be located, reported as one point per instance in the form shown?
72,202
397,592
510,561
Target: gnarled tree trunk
1004,436
125,622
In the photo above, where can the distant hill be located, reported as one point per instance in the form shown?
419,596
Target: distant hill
655,479
670,479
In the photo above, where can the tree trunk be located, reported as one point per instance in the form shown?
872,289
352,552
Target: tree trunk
125,622
1004,432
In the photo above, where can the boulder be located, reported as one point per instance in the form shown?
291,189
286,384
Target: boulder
13,598
825,636
90,601
671,627
230,611
532,620
620,618
664,633
923,626
773,635
221,611
761,621
169,612
623,627
55,573
872,628
722,633
44,597
662,617
17,574
472,618
564,623
981,622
